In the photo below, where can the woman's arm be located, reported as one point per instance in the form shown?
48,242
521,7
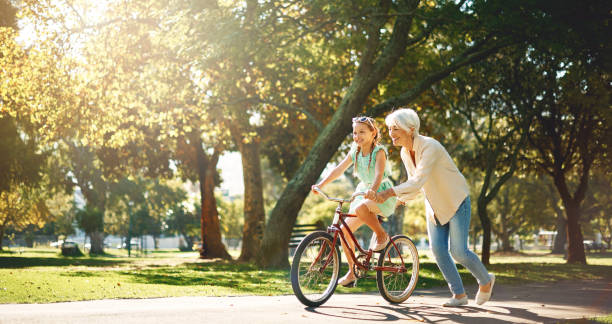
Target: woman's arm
409,189
429,157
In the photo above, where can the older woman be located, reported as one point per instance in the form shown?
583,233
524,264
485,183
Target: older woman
432,171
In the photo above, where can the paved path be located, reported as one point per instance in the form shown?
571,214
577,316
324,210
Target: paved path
530,303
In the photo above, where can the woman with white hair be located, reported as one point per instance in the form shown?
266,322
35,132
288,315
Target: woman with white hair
447,202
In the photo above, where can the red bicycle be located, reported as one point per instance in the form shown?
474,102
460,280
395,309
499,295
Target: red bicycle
316,264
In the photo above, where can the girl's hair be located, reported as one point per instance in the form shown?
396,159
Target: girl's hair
371,123
404,118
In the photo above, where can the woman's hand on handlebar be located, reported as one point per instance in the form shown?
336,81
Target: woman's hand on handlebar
370,194
382,196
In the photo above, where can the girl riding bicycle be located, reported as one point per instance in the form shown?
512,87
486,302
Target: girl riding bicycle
369,158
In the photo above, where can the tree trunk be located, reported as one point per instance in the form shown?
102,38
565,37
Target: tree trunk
395,223
485,223
188,241
212,247
505,242
575,250
1,236
283,216
254,213
561,237
96,239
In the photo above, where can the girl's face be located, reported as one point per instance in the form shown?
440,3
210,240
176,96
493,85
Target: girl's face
399,136
363,135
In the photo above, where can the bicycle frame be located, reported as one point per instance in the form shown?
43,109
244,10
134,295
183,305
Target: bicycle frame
337,232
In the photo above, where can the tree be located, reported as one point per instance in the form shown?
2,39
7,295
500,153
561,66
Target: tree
571,133
518,206
85,172
20,161
231,216
491,97
137,101
91,221
184,223
598,204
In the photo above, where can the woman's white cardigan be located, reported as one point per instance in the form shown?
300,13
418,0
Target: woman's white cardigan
436,175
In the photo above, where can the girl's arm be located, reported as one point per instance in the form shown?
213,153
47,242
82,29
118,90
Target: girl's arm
337,171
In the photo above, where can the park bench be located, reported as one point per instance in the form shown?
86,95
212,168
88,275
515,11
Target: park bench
300,231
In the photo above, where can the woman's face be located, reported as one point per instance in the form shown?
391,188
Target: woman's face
399,136
362,134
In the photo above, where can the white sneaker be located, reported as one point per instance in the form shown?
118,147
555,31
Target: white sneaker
483,297
372,241
378,247
454,302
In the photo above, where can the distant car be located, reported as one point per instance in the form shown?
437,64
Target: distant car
594,246
69,245
57,244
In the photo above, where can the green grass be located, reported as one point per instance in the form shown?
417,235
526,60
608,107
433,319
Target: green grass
604,319
595,320
43,275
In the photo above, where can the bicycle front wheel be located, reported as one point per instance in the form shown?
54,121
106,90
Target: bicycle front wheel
397,282
315,269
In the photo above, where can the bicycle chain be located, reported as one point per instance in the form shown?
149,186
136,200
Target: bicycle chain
359,271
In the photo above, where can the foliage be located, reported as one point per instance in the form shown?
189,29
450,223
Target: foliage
521,207
20,160
415,222
140,206
316,208
90,219
183,222
23,206
231,216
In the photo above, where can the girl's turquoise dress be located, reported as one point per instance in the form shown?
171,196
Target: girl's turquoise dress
366,177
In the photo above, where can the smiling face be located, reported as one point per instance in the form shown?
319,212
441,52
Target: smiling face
401,137
363,135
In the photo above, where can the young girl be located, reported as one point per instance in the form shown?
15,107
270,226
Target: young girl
370,160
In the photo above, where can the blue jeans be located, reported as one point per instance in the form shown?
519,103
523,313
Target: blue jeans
456,230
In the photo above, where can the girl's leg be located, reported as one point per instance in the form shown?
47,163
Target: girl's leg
353,223
368,216
438,242
459,227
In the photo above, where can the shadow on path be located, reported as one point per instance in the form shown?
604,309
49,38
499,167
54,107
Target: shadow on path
432,314
26,262
539,303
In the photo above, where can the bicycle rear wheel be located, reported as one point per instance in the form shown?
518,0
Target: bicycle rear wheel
315,268
396,287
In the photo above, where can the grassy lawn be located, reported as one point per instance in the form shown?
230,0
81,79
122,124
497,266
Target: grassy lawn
595,320
43,275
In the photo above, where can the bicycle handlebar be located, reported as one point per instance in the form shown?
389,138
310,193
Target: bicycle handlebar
339,200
